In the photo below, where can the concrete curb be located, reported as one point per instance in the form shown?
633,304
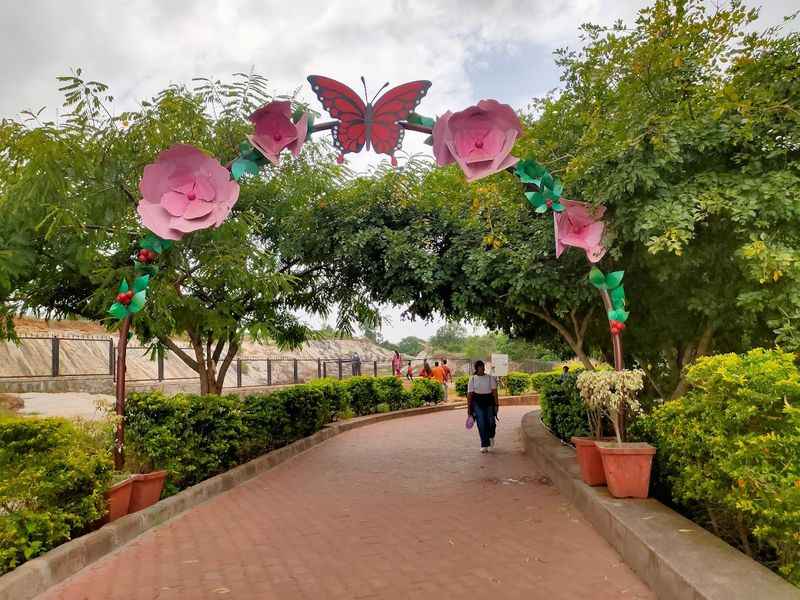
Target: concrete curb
678,559
38,575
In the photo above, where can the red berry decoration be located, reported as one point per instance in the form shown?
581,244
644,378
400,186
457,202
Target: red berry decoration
146,255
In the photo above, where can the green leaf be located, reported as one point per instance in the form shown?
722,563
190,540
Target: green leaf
618,314
418,119
241,166
597,279
244,147
558,207
118,311
618,297
140,283
137,302
141,267
614,279
154,243
123,286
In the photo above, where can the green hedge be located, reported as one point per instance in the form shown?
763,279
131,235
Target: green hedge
426,391
462,383
542,382
729,453
53,474
338,396
562,409
193,437
367,393
518,382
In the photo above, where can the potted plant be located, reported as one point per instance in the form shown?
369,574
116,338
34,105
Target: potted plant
146,490
626,465
586,451
118,497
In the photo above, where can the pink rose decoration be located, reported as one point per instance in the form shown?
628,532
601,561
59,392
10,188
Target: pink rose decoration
479,138
183,191
275,130
580,225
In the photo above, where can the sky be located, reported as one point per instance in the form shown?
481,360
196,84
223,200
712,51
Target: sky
469,49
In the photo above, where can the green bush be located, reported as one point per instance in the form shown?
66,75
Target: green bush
52,478
729,453
462,383
338,396
542,382
518,383
364,394
383,407
390,391
562,409
192,437
426,391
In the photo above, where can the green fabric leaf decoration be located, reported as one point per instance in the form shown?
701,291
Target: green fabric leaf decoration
597,279
244,147
145,268
241,166
618,297
140,283
155,243
614,279
558,207
310,122
118,311
418,119
618,314
529,171
137,302
123,286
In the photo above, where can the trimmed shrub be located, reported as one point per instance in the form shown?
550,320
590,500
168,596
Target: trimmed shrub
193,437
390,391
462,383
426,391
542,382
52,478
383,407
562,408
518,383
364,394
729,453
338,396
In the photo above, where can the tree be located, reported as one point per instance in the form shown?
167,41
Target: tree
410,345
68,197
685,127
450,336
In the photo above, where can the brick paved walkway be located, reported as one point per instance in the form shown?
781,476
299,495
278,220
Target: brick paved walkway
403,509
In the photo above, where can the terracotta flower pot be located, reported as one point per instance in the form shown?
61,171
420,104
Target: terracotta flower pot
589,460
118,498
146,490
627,468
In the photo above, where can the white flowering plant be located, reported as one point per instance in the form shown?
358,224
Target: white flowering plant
612,393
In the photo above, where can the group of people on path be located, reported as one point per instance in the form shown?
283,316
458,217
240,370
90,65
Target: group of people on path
482,399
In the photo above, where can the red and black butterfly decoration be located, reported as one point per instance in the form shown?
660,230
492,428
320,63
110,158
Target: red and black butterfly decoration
366,122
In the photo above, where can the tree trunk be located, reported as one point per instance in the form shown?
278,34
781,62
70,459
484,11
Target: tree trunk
703,346
205,362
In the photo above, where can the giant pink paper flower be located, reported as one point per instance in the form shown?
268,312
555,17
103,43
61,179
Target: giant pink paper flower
183,191
275,130
580,225
478,138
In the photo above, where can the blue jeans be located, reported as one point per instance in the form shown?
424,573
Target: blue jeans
484,418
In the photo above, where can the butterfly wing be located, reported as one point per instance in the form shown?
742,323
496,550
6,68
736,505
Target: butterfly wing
342,103
395,105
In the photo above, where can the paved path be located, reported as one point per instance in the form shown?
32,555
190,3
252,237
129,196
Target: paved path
403,509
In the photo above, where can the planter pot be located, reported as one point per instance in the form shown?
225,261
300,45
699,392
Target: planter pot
627,468
589,460
118,498
146,490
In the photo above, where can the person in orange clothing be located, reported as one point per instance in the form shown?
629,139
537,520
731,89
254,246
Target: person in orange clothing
448,377
439,374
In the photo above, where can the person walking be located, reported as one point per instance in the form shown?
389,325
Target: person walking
356,362
438,374
410,372
397,363
425,371
483,404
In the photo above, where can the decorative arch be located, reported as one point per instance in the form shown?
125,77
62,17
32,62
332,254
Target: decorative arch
186,190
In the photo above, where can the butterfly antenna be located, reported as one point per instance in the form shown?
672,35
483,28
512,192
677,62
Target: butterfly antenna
385,85
364,83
